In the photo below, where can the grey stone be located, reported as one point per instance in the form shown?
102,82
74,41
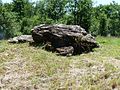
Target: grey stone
64,38
21,39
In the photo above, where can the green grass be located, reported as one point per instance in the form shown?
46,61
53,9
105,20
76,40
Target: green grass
110,46
63,73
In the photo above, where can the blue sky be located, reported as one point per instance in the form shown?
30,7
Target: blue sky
96,2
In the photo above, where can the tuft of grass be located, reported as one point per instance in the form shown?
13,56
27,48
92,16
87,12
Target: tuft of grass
3,46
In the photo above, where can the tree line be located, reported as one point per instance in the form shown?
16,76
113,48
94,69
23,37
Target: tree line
19,16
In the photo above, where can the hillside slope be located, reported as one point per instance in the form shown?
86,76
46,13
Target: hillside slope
25,67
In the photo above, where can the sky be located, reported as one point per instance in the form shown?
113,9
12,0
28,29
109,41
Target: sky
96,2
104,2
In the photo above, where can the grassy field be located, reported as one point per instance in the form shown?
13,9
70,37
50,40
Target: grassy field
24,67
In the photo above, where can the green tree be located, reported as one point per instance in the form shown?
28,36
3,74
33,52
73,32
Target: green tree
23,8
82,11
103,27
55,9
8,24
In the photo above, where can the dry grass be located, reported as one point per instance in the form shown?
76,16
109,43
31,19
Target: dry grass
42,70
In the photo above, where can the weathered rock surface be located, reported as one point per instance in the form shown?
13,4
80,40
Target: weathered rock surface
65,39
21,39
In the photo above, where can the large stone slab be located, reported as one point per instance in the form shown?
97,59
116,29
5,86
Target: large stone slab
21,39
63,37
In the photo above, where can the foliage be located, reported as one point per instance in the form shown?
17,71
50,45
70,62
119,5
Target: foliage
106,17
55,9
19,16
103,27
8,24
